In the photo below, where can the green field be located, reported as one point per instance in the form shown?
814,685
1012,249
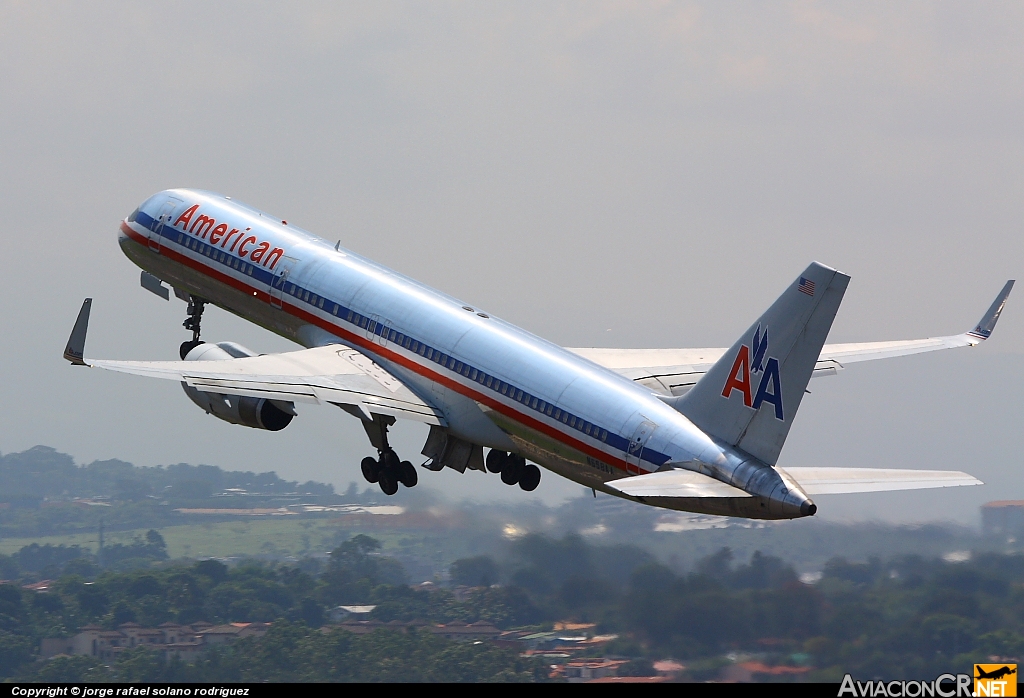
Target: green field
250,537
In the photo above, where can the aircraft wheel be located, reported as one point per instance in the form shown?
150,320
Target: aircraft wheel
407,474
495,460
186,347
387,481
530,478
511,470
371,469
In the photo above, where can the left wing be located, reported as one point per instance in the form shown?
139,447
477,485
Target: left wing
672,372
330,374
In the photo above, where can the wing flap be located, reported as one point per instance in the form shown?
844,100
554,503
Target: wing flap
675,483
856,480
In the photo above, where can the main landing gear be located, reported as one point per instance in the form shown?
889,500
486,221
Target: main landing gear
514,470
196,306
387,470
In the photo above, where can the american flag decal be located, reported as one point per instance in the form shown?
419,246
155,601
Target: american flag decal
806,286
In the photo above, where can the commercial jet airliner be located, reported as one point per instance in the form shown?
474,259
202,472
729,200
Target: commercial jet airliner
689,429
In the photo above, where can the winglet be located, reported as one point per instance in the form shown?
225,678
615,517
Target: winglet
988,322
75,350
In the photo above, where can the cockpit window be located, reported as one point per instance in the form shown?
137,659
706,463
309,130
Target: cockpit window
135,214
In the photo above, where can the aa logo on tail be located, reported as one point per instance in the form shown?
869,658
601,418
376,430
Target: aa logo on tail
750,361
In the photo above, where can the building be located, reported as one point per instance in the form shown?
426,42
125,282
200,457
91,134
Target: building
171,640
1003,518
480,630
581,670
342,613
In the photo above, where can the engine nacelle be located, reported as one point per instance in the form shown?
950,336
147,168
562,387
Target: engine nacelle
255,412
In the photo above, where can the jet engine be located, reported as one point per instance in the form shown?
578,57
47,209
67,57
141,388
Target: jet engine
255,412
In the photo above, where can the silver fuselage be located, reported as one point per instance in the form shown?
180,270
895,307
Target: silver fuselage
497,385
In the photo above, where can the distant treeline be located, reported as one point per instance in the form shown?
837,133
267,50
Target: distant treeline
28,477
47,561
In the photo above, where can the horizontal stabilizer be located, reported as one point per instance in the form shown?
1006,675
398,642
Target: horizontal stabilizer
853,480
675,483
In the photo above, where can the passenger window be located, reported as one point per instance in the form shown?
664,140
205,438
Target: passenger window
547,410
565,418
557,414
533,403
586,428
320,303
504,388
489,381
335,308
604,435
473,374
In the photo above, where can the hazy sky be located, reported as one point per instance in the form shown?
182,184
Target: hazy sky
601,173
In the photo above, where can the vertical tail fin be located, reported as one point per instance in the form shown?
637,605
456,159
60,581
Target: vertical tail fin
749,398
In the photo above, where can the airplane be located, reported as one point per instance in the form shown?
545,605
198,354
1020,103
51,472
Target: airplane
697,430
995,673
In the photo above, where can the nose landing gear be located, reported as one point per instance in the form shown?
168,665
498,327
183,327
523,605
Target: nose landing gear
196,306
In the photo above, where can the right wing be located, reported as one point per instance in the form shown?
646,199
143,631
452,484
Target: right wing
329,374
672,372
689,484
